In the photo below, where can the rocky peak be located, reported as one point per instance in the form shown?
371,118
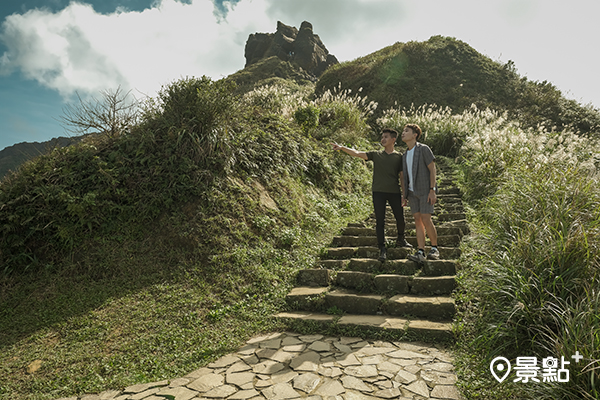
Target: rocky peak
301,47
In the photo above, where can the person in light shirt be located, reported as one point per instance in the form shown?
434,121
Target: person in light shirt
419,189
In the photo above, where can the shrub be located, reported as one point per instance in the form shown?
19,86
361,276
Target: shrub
197,114
307,117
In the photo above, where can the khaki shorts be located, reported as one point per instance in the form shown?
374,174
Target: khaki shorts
419,204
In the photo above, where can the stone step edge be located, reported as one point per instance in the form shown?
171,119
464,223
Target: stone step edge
365,240
419,328
301,297
410,284
349,252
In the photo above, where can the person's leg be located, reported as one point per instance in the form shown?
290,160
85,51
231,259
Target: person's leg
395,200
420,228
379,201
419,256
434,254
429,228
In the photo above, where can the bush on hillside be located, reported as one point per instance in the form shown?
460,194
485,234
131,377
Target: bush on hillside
193,134
105,184
198,115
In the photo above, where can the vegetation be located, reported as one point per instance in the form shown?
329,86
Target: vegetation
13,156
529,271
449,73
268,71
143,255
175,241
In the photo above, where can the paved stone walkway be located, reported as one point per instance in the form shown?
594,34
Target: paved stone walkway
293,366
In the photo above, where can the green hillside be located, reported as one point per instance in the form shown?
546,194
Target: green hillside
198,217
448,72
142,256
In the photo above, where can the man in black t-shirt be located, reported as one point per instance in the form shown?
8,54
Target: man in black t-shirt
387,165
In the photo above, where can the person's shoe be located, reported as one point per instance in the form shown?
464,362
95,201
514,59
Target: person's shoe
401,242
382,254
434,254
418,257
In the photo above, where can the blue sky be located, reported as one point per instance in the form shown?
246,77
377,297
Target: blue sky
52,49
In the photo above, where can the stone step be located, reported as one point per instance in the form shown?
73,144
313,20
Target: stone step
452,190
418,328
401,267
449,199
391,231
443,205
357,241
333,253
453,208
460,223
356,225
432,285
353,302
390,228
392,284
370,265
315,277
451,217
306,298
438,308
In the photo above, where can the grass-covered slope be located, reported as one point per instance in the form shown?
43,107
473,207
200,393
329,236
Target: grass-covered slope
448,72
530,272
141,257
144,256
13,156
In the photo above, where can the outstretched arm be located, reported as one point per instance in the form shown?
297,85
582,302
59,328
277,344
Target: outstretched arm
352,152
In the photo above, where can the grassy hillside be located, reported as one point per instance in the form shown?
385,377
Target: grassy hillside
140,257
450,73
269,71
529,270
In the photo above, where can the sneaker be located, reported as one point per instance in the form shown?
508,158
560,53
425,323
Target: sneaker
418,257
401,242
382,254
434,254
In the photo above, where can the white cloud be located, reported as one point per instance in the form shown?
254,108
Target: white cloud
78,49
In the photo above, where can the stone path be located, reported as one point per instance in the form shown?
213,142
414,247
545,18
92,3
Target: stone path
292,366
349,286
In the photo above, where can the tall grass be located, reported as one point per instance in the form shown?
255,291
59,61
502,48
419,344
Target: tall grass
531,272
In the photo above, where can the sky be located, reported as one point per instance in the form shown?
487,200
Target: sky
53,50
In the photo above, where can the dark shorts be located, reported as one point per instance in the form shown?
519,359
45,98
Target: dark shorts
419,204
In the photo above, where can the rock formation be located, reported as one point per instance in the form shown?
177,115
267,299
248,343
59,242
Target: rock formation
302,47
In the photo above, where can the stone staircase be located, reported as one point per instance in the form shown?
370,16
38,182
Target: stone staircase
351,287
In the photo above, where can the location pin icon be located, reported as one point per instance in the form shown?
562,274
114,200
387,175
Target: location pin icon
500,366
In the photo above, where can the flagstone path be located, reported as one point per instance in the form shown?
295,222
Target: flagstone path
291,366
